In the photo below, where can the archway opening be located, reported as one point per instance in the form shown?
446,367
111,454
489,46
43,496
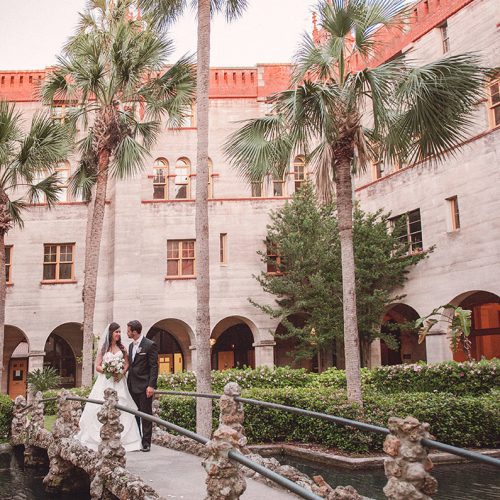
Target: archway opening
232,345
485,326
63,351
285,348
396,323
15,361
173,340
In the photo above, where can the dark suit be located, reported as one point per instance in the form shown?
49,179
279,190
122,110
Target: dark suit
143,373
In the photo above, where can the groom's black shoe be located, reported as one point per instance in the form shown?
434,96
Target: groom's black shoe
146,447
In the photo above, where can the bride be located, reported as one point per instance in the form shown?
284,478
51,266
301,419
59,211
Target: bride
89,434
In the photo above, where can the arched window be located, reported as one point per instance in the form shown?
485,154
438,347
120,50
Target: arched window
299,171
160,179
182,179
210,180
63,173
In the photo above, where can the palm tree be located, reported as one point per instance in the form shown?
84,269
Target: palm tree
342,118
26,162
113,72
165,11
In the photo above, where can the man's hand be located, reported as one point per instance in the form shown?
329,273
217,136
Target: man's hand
150,392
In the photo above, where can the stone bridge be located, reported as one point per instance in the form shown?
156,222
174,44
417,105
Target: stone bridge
173,468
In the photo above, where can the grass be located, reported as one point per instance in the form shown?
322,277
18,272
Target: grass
49,421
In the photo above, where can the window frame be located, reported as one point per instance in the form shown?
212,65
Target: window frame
454,213
57,263
187,165
180,258
445,37
256,187
272,252
223,248
414,247
8,265
299,172
164,166
493,106
64,186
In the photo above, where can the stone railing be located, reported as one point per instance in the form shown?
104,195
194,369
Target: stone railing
68,457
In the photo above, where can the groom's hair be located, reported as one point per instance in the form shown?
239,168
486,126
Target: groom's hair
135,326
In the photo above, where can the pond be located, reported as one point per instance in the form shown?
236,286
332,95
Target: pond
456,482
18,483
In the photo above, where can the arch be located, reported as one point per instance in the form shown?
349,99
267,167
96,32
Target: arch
160,179
232,343
63,348
409,350
485,324
15,361
182,179
285,347
173,338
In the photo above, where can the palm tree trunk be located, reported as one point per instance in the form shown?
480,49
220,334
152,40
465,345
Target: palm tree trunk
343,184
203,368
91,267
3,292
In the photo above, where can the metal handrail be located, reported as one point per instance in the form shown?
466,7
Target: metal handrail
41,401
233,454
472,455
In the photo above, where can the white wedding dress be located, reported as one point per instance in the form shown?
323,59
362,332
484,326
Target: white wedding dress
90,427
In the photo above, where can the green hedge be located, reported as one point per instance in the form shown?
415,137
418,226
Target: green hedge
5,417
51,406
472,378
458,420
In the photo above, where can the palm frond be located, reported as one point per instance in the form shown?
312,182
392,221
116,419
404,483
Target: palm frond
83,179
163,12
9,131
128,158
15,209
46,189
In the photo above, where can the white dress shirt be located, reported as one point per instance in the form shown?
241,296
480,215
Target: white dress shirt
136,346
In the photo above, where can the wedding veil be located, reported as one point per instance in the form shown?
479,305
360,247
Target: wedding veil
105,340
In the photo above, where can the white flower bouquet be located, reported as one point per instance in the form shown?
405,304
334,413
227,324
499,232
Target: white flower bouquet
113,367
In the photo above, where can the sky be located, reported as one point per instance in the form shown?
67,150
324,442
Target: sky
33,32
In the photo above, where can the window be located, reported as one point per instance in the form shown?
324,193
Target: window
182,178
8,263
278,186
378,169
274,260
256,189
494,103
223,248
189,118
454,213
180,258
60,111
58,262
63,171
160,179
299,172
445,39
409,230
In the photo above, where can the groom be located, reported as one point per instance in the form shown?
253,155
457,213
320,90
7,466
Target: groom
142,376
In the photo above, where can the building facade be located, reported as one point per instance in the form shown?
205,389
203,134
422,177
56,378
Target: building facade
147,268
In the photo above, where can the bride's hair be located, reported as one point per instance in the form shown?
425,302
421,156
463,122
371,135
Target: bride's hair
112,328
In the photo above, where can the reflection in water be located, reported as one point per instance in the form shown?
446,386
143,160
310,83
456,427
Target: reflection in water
17,483
456,482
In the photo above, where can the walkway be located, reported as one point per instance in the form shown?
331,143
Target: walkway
174,474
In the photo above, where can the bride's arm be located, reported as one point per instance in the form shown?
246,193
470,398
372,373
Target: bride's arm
125,368
98,363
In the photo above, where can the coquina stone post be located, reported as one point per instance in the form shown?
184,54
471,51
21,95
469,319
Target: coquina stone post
226,480
111,453
33,456
66,426
19,425
408,464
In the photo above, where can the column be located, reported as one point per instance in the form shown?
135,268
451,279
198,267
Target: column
264,353
35,361
437,345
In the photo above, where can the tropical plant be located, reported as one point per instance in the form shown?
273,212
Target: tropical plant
309,285
343,118
164,12
43,380
27,162
459,326
113,71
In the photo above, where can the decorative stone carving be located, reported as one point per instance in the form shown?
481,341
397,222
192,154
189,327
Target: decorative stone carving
408,464
19,424
33,455
225,479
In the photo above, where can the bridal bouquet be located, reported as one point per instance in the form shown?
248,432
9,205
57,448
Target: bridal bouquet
113,367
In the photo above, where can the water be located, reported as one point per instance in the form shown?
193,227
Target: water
456,482
18,483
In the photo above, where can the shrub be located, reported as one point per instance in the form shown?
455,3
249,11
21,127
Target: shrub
51,406
458,378
458,420
5,417
43,380
261,376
